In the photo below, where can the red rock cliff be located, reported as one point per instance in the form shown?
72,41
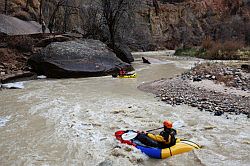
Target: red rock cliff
187,23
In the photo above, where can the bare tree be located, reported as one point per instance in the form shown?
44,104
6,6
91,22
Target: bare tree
27,3
69,9
91,20
40,11
66,15
156,6
5,6
53,15
113,11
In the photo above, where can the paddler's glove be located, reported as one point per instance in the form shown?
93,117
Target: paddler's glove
141,132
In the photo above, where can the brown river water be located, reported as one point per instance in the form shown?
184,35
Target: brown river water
72,122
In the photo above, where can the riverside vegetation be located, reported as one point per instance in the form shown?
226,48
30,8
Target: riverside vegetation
217,50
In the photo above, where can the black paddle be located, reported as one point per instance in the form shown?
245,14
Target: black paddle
155,129
132,134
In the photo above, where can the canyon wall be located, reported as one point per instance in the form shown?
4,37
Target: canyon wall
184,23
159,24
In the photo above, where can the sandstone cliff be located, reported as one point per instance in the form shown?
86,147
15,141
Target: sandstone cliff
188,22
159,24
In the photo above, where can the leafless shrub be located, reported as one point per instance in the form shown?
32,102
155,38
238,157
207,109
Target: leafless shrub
219,50
207,43
23,43
232,45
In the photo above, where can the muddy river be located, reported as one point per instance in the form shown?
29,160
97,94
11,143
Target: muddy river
72,121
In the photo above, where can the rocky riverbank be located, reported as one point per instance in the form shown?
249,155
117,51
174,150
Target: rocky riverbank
15,50
216,87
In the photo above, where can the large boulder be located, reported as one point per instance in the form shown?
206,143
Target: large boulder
86,58
14,26
123,52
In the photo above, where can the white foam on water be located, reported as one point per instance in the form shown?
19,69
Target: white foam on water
155,53
55,104
4,120
42,77
38,92
15,85
178,124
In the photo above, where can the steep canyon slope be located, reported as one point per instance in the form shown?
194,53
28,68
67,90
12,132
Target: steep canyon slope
175,23
158,23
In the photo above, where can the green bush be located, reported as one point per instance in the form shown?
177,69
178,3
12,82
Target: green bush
186,52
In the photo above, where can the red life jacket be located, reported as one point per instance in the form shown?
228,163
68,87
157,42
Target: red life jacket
122,72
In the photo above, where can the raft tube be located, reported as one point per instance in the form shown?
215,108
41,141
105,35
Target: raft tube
181,146
128,76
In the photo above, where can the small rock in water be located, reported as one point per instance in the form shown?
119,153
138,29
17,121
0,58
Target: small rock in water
218,113
117,146
145,60
128,149
106,163
209,127
101,139
196,79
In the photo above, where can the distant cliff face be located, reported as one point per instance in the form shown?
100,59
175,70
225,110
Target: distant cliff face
187,22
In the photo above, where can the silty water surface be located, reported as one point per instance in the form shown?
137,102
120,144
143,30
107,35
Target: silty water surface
72,122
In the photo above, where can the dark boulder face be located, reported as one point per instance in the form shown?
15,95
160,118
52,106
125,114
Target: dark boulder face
89,58
123,52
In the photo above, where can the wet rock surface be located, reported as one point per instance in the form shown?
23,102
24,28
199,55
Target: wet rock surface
15,50
179,91
123,52
18,76
14,26
85,58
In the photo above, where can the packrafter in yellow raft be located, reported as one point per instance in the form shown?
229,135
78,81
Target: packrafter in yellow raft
128,76
181,146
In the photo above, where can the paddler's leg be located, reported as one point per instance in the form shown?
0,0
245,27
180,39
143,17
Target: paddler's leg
147,141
